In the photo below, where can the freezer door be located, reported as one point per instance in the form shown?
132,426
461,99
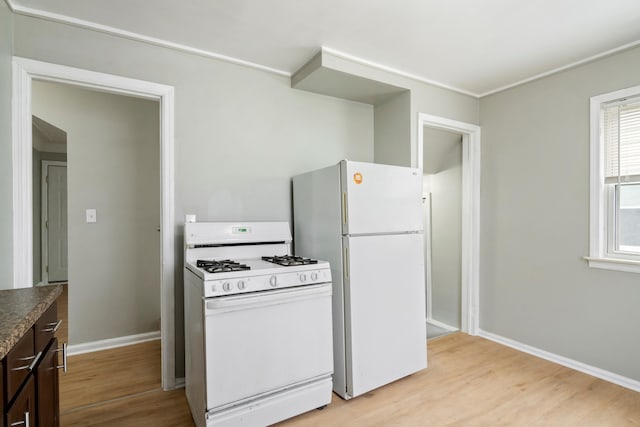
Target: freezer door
380,198
384,309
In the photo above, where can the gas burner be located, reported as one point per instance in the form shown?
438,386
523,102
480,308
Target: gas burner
289,260
213,266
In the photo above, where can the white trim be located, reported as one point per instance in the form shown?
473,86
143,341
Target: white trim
428,252
39,284
44,217
395,71
24,71
439,324
564,361
470,265
562,68
81,23
599,254
614,264
109,343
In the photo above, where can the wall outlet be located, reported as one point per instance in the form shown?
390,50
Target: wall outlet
92,215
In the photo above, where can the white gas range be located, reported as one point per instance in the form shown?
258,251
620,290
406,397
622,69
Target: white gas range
258,339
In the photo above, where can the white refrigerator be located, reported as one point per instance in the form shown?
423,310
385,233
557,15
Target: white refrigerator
366,220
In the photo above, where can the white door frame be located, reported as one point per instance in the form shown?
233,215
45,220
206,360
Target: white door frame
44,217
470,292
24,72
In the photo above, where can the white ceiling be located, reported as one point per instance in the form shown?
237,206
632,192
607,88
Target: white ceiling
474,46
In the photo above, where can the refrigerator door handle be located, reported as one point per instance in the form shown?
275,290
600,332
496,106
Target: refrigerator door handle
346,262
344,208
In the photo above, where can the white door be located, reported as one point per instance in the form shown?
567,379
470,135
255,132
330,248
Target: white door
384,309
56,225
380,198
266,341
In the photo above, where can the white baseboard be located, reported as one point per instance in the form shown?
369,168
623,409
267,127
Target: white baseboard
92,346
442,325
564,361
39,284
179,383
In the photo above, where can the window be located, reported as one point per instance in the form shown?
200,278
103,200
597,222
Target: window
615,181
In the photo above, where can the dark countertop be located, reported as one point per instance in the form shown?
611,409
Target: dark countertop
19,310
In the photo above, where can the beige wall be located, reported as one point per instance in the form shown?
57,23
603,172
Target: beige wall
113,166
6,233
535,287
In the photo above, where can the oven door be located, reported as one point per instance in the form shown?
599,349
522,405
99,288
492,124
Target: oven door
260,343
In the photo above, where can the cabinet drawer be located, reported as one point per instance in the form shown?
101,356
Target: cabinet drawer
17,363
46,326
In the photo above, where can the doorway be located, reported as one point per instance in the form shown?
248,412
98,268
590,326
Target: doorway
469,213
54,244
25,71
49,154
442,201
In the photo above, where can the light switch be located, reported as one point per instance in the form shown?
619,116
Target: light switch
92,215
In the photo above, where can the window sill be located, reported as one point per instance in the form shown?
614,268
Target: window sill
626,265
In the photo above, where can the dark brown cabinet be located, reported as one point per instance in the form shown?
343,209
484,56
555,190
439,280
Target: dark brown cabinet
47,387
29,391
22,411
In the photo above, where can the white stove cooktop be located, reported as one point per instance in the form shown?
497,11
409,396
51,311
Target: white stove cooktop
262,276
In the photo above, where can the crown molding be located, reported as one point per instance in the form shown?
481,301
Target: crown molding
27,11
562,68
392,70
81,23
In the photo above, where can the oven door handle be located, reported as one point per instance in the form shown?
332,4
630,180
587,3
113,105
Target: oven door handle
247,301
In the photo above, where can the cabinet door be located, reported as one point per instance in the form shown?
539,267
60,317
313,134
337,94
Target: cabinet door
47,388
2,402
22,411
18,361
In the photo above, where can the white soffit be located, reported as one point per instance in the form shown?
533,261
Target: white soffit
474,47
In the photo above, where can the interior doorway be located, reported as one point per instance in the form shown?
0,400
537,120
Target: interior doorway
442,202
469,212
55,265
25,72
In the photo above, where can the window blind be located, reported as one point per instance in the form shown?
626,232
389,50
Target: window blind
621,133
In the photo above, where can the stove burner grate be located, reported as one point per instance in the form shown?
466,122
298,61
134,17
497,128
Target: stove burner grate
289,260
221,266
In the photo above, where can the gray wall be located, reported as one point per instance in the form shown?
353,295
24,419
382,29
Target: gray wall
442,160
392,127
240,133
37,158
6,227
535,286
113,166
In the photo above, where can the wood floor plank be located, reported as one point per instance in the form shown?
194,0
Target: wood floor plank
470,381
109,374
152,409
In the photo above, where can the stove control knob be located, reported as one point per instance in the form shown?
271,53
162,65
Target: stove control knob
273,281
314,276
226,286
303,277
241,284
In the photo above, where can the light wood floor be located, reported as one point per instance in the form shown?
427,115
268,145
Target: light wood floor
470,382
